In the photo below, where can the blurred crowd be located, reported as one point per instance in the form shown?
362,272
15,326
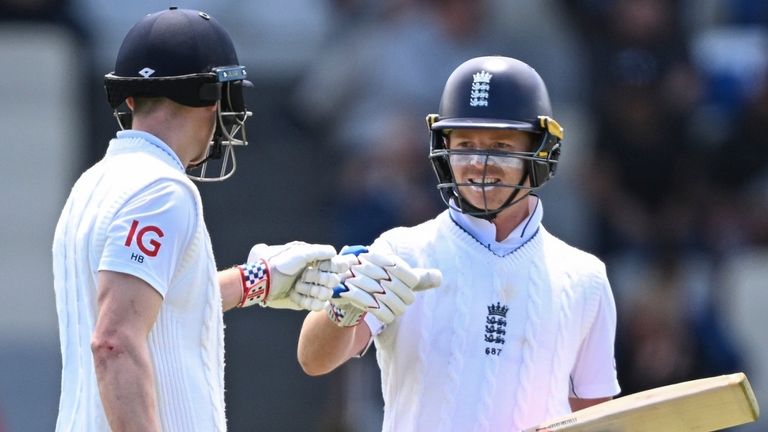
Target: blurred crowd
678,181
667,99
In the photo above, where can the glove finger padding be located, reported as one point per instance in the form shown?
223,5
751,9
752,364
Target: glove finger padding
369,269
316,276
416,278
338,264
394,266
397,289
306,302
319,292
359,291
372,289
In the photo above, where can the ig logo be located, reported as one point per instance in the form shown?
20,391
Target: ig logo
150,247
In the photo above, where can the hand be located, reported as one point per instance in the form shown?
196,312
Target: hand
293,280
381,284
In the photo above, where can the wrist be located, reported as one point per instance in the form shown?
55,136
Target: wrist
254,279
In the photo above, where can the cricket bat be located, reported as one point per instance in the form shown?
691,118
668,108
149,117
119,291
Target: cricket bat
701,405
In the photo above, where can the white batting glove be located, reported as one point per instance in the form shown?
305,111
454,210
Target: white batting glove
381,284
287,277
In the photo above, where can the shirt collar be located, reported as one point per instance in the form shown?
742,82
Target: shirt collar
131,134
485,231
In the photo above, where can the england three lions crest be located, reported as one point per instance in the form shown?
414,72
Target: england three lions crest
481,86
495,328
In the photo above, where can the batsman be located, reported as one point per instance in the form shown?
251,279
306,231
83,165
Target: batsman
138,295
522,325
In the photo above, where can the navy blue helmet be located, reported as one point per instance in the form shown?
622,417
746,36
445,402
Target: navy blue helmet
188,57
495,92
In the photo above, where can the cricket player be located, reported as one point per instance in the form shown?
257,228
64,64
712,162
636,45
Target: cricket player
138,294
522,327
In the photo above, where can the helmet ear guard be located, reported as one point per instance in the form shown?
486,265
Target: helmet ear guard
232,95
446,183
545,158
230,124
441,165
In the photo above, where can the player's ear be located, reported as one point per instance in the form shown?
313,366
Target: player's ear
130,102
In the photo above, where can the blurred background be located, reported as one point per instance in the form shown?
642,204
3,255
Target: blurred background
664,173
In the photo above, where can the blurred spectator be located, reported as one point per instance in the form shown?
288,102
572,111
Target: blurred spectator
644,90
744,154
389,184
659,212
636,43
670,330
747,11
733,61
644,173
743,284
395,65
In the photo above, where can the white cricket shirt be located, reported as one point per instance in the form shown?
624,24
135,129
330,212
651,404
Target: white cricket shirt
515,329
136,212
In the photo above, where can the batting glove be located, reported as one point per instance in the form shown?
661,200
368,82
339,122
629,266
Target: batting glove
287,276
381,284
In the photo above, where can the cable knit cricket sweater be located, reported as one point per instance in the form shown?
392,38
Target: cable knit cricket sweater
141,180
503,342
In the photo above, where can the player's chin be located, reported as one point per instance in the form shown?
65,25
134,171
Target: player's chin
491,200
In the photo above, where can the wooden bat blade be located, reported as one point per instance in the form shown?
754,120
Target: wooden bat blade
702,405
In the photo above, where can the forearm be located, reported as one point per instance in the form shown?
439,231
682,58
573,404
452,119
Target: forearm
128,308
324,346
579,404
127,387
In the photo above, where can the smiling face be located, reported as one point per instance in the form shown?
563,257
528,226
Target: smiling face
484,164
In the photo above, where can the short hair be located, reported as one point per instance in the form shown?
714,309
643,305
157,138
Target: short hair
147,105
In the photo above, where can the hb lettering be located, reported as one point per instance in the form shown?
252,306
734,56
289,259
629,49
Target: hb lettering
150,247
